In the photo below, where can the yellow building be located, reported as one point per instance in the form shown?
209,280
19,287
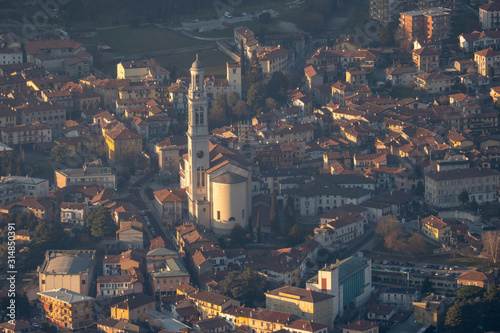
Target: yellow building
133,308
67,309
436,229
210,304
258,320
121,143
429,310
306,304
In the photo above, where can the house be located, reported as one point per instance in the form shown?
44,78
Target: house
348,281
27,185
356,77
361,326
436,229
23,235
111,325
115,285
24,134
73,213
339,230
130,237
171,205
434,83
380,313
211,304
430,309
16,326
51,54
121,263
132,307
122,144
304,326
259,320
69,269
166,280
212,325
479,40
476,278
42,207
401,76
487,61
156,258
306,304
426,59
67,309
399,297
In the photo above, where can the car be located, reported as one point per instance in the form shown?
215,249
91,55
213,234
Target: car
385,262
225,24
244,14
441,267
425,266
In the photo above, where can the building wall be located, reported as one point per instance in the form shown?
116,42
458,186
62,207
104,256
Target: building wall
75,282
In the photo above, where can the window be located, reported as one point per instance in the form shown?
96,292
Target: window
218,215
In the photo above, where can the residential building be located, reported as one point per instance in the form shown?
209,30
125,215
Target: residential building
11,55
212,325
7,116
210,304
27,134
122,144
488,61
436,229
261,320
426,24
385,11
399,297
480,40
304,326
166,280
430,309
67,309
339,230
356,77
133,307
110,325
401,76
434,83
76,67
87,175
361,326
27,185
349,281
116,285
69,269
120,264
42,207
171,205
306,304
156,258
276,59
51,54
426,59
443,188
380,313
130,237
476,278
489,15
73,213
133,71
46,113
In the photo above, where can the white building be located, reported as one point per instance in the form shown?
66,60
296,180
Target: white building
218,180
489,15
10,56
30,185
349,280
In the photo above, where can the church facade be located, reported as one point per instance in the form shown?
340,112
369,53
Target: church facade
217,179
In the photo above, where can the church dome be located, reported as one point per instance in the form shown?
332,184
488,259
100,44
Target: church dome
197,64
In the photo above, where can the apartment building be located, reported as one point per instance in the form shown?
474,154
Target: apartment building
489,15
476,40
66,309
486,59
431,23
401,77
87,175
426,59
306,304
166,280
25,134
443,188
276,59
386,11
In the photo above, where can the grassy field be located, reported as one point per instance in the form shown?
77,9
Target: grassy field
213,60
143,39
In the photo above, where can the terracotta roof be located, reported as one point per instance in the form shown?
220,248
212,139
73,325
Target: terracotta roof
34,46
476,276
426,51
122,134
361,325
434,222
72,205
304,294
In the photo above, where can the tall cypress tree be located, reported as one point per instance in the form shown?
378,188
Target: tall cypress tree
255,71
273,216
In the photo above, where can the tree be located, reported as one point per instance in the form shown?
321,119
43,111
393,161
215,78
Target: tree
474,206
240,109
273,216
385,37
258,234
26,220
246,286
295,236
416,244
491,245
290,218
387,225
243,58
491,304
271,103
256,96
100,223
59,153
453,318
491,71
232,98
464,196
277,86
426,286
43,232
238,235
255,70
469,292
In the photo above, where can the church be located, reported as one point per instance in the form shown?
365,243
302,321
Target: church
217,179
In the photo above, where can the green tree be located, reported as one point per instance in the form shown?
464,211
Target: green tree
277,86
232,98
426,286
295,236
255,70
273,216
469,292
246,286
474,206
219,111
256,96
100,223
491,71
26,220
290,218
238,235
464,196
454,320
59,153
43,233
243,59
490,310
258,233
